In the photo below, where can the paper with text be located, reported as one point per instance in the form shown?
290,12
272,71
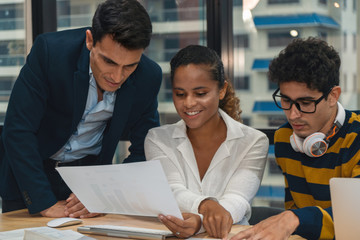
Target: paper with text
42,233
133,189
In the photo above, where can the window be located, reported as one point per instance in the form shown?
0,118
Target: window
354,5
12,53
273,167
170,13
75,13
6,84
354,41
11,16
182,10
246,121
272,85
282,1
345,82
322,35
171,44
2,119
323,2
166,89
12,49
276,120
279,39
238,3
242,83
241,41
355,84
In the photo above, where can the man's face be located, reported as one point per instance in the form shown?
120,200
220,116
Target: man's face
110,62
305,124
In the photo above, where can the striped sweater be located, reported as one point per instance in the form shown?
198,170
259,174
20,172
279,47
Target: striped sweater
307,191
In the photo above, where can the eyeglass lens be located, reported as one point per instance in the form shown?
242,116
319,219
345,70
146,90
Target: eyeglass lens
302,105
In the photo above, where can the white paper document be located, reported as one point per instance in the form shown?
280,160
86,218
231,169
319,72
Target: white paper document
42,233
134,188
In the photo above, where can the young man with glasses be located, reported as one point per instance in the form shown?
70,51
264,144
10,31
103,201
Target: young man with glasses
320,140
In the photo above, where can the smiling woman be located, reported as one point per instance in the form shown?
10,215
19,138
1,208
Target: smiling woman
214,163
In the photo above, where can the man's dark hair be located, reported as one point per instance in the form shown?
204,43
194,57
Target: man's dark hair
125,20
311,61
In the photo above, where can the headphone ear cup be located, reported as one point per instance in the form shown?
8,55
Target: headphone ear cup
315,145
296,143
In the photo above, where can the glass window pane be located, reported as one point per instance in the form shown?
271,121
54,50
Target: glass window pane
279,39
75,13
269,26
12,48
282,1
176,24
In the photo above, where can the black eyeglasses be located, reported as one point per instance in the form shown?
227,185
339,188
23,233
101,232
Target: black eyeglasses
303,105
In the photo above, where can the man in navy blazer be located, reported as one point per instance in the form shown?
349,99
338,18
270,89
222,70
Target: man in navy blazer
79,93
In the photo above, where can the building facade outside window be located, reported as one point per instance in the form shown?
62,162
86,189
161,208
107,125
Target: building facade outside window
242,83
12,48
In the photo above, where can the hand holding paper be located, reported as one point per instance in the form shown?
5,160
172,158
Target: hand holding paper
134,188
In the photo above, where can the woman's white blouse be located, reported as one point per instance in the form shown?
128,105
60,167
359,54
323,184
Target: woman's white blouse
234,174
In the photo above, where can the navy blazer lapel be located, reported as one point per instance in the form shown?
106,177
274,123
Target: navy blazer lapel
123,102
81,86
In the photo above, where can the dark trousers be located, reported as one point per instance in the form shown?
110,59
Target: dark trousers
58,186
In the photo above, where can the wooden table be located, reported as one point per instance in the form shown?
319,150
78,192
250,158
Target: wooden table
22,219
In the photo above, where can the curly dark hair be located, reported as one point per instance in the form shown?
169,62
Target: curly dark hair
311,61
125,20
196,54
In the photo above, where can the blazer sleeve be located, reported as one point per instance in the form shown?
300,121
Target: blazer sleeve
25,111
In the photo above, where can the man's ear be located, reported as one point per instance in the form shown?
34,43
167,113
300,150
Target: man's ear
334,95
89,40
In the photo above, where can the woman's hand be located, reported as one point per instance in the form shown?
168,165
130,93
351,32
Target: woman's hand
182,228
217,221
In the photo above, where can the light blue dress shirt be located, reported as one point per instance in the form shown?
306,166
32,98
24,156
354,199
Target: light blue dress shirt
87,139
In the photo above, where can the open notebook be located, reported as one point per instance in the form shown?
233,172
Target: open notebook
345,201
125,232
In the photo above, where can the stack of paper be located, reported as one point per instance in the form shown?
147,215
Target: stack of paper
42,233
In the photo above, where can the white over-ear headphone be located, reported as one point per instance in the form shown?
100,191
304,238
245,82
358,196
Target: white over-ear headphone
316,144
